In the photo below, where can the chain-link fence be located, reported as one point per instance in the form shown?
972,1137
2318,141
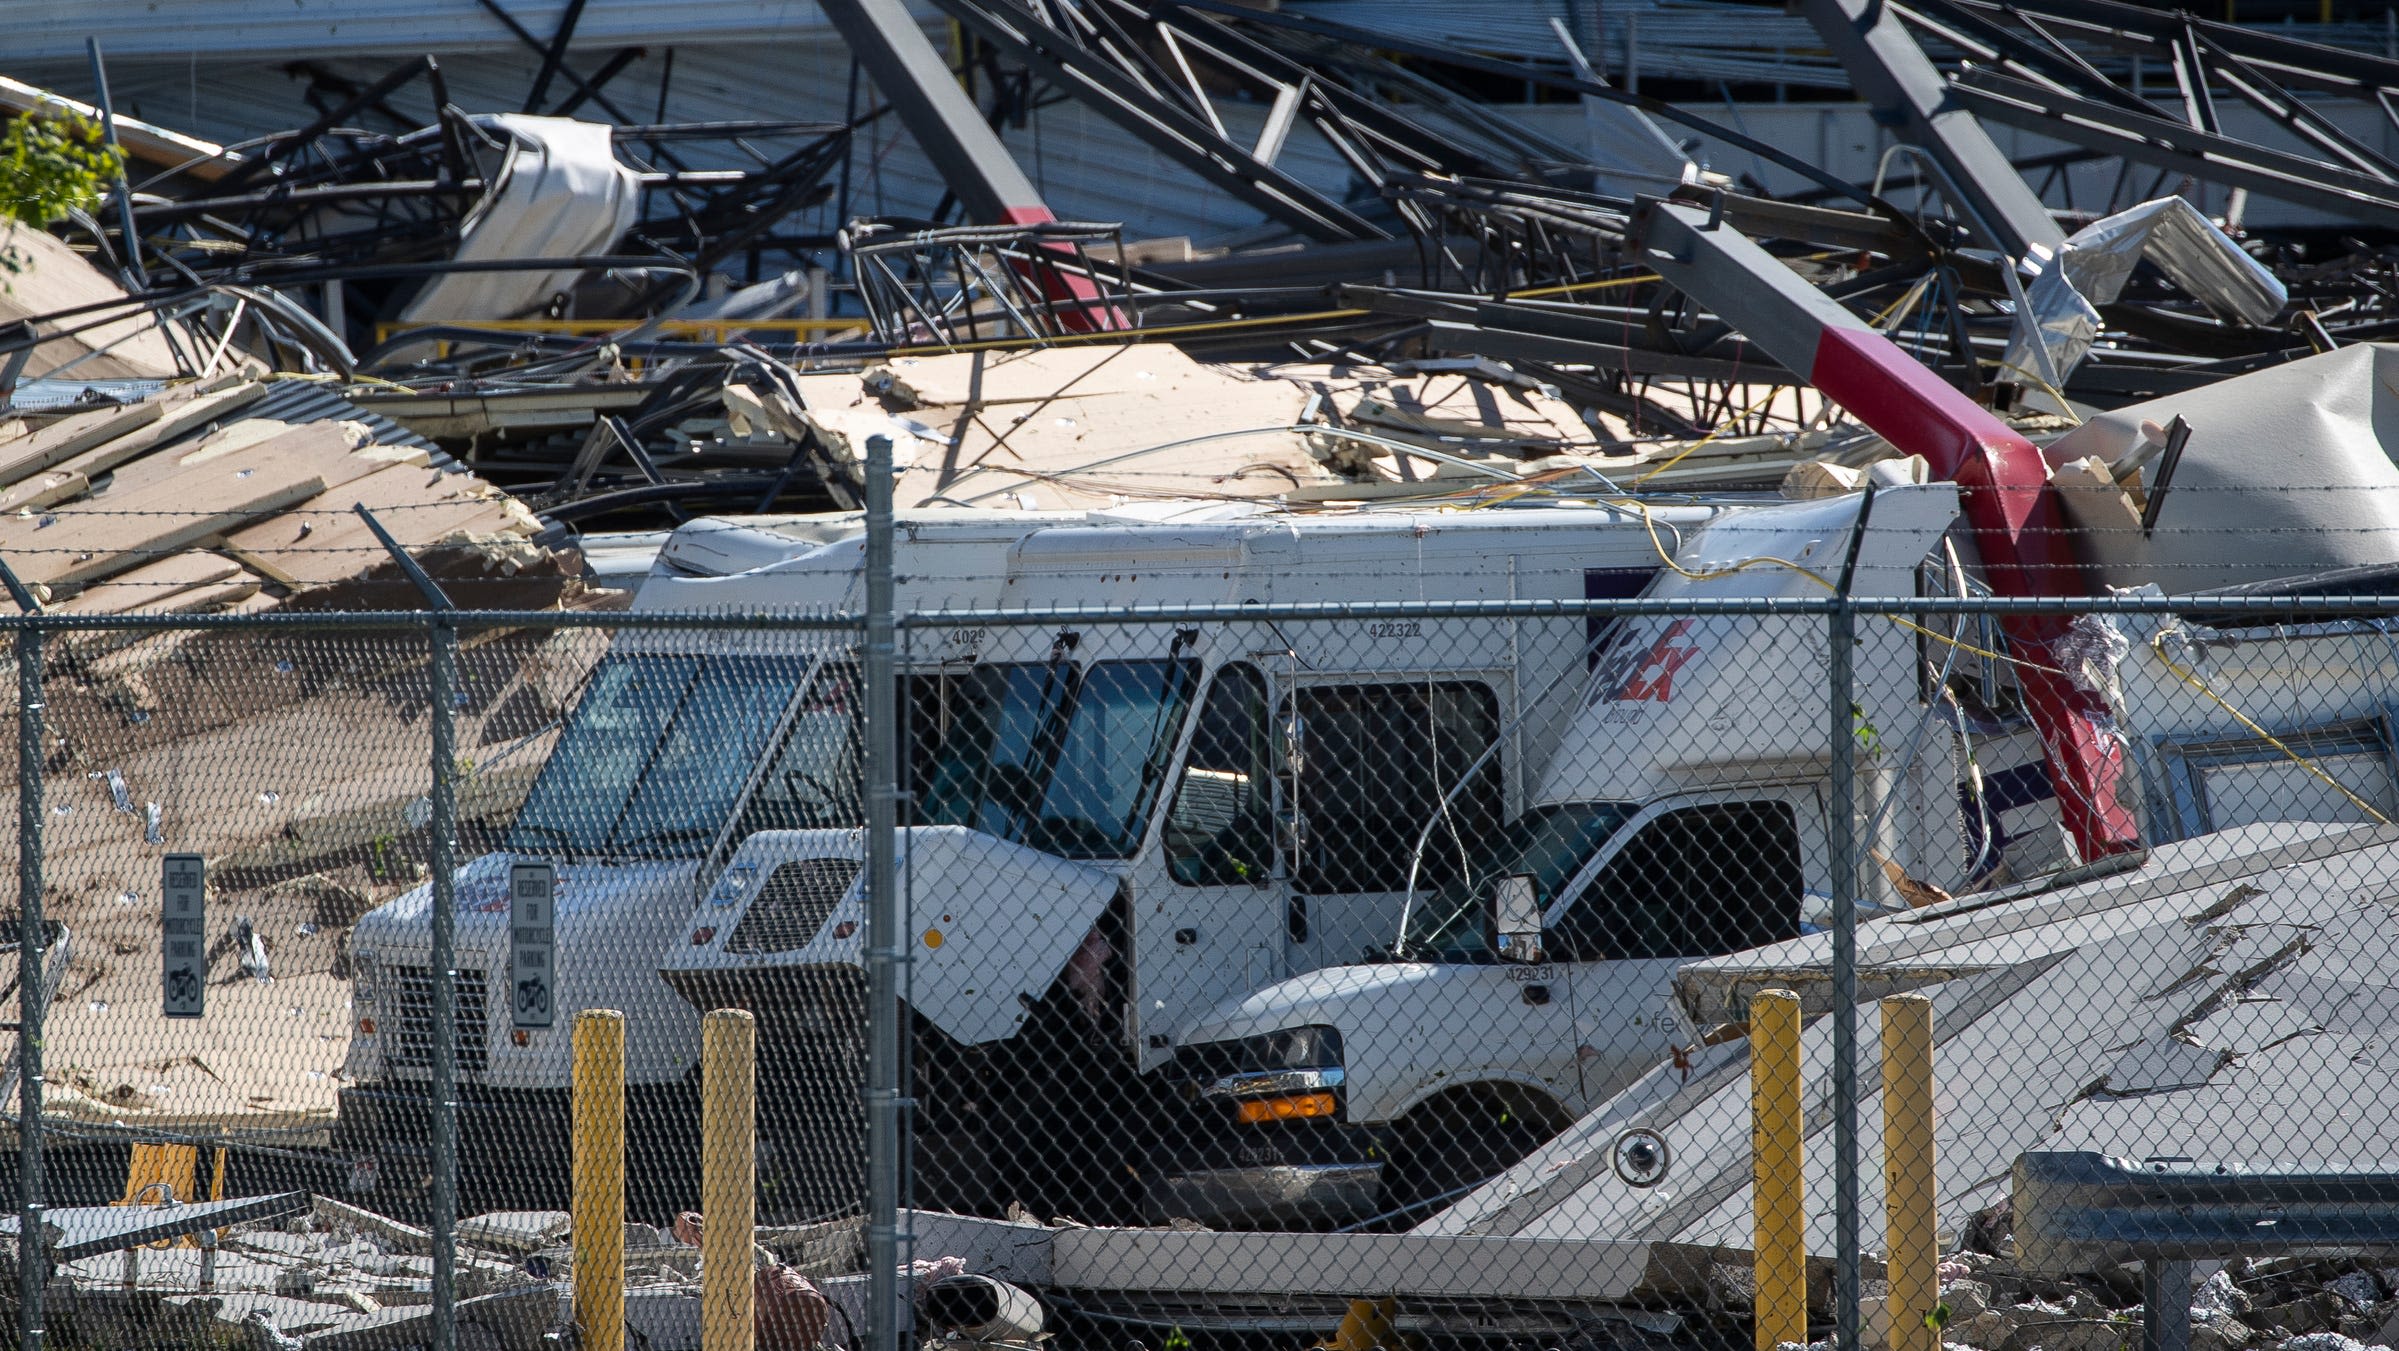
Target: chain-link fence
1679,972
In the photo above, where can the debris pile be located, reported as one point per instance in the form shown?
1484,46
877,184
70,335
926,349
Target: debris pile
238,494
2314,1301
1098,426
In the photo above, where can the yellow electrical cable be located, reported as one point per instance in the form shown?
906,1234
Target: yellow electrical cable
1819,579
2157,645
2046,388
329,377
1904,304
1258,321
1694,447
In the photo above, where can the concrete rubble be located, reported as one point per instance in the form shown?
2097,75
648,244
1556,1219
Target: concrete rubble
1099,425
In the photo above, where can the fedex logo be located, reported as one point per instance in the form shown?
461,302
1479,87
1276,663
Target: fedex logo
1635,672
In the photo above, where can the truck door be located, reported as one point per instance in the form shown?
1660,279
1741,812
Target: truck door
1210,928
1684,879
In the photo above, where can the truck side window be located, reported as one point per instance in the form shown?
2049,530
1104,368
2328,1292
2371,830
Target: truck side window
1697,882
815,779
1220,830
1377,760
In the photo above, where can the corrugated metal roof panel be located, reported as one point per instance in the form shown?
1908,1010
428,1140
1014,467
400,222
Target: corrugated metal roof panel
306,401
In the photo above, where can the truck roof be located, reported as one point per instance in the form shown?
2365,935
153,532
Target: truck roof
960,557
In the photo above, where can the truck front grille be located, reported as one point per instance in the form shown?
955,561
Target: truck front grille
411,1042
793,903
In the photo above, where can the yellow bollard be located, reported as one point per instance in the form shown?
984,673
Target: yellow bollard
599,1178
1779,1196
728,1179
1365,1327
1915,1254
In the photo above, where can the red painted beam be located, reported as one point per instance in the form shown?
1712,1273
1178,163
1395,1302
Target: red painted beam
1082,310
2005,492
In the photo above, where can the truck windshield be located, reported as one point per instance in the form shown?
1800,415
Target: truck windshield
1548,843
1063,759
656,751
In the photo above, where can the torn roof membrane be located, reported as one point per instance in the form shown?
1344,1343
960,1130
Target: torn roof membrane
2133,1015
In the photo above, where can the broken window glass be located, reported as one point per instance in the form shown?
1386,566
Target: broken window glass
1376,761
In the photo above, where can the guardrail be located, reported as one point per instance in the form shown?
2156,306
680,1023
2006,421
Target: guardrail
2079,1211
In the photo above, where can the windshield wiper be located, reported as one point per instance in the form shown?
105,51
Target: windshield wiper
670,835
566,842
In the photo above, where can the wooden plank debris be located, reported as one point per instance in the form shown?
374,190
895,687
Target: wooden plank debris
46,489
103,496
70,436
156,582
324,542
94,543
180,417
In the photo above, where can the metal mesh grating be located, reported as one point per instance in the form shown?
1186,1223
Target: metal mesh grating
793,904
411,1046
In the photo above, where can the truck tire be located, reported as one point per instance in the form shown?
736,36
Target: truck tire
1458,1140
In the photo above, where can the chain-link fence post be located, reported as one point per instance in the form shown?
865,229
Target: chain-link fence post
1841,625
887,950
32,954
442,1059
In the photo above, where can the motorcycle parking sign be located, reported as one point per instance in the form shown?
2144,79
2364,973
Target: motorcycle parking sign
532,944
183,935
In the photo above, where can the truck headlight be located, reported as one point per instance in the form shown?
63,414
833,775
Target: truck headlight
1289,1075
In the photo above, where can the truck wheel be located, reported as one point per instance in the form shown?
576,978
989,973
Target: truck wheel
1453,1143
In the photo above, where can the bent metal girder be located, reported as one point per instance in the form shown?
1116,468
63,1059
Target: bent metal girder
2005,490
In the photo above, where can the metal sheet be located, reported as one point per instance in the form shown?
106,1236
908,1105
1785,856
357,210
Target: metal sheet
2061,313
88,1231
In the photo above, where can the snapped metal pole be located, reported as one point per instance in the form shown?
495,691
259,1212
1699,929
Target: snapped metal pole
1779,1196
598,1160
32,956
442,1061
888,1309
134,270
728,1179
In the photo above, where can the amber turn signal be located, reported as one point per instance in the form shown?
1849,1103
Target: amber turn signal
1297,1107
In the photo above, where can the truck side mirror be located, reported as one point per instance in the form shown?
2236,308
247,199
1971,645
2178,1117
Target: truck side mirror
1516,919
1291,828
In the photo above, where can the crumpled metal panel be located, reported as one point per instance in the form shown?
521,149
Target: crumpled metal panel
2060,316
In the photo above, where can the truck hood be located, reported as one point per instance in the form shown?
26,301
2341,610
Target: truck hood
990,923
591,897
1347,997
